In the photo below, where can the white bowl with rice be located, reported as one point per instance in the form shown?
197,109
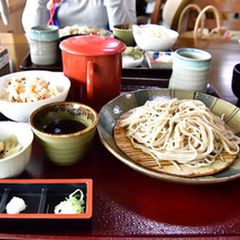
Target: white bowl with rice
152,37
23,92
15,148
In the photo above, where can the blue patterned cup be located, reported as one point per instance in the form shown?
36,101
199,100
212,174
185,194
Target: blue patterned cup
190,69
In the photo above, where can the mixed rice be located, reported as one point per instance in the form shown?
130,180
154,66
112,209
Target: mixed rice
23,90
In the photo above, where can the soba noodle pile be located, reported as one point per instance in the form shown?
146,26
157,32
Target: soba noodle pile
181,132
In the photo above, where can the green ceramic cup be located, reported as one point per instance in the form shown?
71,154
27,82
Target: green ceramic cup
124,33
65,130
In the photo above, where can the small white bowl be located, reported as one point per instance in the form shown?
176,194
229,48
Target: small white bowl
132,57
21,112
129,61
15,164
152,37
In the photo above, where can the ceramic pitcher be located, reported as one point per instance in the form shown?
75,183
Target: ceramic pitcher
94,65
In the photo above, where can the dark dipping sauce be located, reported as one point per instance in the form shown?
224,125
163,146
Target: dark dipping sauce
63,126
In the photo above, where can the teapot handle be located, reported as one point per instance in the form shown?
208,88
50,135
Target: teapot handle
90,80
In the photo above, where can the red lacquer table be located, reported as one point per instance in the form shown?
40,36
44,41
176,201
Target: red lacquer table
127,204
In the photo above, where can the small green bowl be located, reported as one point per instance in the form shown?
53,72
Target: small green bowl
123,32
64,148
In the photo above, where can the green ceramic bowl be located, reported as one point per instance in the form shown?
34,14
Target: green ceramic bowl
124,33
115,108
65,130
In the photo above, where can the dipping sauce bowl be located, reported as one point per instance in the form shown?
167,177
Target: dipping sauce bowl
65,130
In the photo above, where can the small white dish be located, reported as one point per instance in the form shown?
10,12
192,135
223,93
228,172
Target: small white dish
129,61
132,57
160,60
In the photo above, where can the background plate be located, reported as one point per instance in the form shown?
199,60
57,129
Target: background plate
115,108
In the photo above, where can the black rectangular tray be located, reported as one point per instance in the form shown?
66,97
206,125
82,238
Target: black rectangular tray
130,76
133,79
42,195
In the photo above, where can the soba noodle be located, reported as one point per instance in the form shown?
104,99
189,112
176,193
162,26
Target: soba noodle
181,132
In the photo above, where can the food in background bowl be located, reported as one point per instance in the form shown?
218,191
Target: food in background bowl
22,92
151,37
83,30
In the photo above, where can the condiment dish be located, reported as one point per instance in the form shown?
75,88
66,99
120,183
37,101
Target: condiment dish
132,57
41,196
160,60
129,62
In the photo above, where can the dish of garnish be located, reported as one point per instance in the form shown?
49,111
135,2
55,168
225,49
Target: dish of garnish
45,199
173,135
132,57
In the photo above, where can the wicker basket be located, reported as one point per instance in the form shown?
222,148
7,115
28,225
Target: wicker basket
200,29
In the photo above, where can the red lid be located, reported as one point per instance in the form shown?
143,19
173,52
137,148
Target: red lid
92,45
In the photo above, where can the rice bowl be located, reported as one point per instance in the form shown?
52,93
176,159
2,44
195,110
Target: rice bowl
20,110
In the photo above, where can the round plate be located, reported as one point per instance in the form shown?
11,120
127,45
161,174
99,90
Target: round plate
115,108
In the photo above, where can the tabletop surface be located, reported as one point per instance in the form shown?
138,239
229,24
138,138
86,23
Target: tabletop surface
128,204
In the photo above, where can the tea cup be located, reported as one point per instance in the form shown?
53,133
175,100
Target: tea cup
190,70
44,48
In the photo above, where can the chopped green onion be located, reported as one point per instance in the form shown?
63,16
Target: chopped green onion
73,204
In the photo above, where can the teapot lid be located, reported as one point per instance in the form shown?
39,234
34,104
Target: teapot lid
92,45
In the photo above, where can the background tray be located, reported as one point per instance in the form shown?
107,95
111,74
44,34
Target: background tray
144,74
132,78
